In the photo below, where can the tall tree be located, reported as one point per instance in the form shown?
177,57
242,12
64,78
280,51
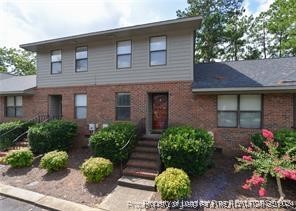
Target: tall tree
19,62
282,26
258,38
234,35
209,37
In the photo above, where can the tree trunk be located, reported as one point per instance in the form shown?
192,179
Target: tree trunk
279,184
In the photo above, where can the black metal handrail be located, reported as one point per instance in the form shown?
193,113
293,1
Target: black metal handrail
121,150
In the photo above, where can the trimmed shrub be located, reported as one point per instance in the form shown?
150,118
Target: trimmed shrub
53,135
108,141
54,160
258,140
173,184
286,139
19,158
16,128
96,169
186,148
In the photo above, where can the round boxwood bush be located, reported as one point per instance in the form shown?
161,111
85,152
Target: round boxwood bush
173,184
52,135
54,160
187,148
96,169
108,141
19,158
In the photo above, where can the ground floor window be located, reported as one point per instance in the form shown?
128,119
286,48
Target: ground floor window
80,106
242,111
14,106
123,106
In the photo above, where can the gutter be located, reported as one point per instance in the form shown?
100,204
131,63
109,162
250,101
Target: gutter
271,89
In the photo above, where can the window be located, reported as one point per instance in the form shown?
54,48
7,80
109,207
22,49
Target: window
123,106
14,106
81,59
124,54
80,106
242,111
56,62
158,51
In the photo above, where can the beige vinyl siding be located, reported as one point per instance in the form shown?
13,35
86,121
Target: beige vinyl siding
102,62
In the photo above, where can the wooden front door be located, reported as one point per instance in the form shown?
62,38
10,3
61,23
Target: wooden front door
159,111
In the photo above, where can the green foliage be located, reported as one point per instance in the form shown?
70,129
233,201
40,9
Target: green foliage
17,61
258,140
54,160
16,128
173,184
216,14
96,169
108,141
282,26
53,135
19,158
286,139
186,148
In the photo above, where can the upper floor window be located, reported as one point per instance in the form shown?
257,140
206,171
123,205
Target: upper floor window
123,106
14,106
158,51
242,111
124,54
81,59
56,61
80,106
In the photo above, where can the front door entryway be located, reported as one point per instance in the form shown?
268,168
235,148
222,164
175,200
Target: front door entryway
55,106
159,112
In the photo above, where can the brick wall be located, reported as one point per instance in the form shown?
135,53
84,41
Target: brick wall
184,108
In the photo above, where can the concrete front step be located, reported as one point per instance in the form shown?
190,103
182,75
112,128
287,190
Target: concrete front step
141,173
146,164
145,156
22,144
138,183
145,149
148,143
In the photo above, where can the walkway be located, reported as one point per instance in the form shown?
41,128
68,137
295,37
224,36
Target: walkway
125,198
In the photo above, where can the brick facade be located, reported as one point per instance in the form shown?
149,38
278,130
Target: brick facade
185,107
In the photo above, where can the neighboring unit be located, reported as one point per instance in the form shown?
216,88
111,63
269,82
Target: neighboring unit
146,74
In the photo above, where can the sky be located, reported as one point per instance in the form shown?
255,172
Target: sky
25,21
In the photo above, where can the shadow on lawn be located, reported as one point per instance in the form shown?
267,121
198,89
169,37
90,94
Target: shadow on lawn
13,172
106,186
77,157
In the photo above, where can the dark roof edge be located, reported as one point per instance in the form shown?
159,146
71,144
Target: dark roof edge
96,33
244,89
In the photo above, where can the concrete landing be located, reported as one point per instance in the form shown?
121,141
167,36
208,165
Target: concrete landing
125,198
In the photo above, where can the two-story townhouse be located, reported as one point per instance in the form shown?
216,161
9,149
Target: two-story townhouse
146,74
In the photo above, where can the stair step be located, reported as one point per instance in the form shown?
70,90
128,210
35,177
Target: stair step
145,155
22,144
147,164
145,149
3,154
149,143
141,173
138,183
151,136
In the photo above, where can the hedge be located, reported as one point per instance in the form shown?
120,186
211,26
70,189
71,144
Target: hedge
108,141
187,148
16,127
54,161
53,135
19,158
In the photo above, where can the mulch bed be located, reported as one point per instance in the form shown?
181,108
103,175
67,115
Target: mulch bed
221,183
68,184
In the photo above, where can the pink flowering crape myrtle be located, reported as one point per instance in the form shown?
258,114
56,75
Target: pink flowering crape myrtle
264,163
